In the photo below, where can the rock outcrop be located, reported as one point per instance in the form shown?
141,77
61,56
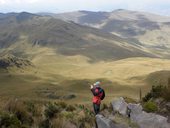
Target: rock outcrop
137,115
120,106
9,60
103,122
147,120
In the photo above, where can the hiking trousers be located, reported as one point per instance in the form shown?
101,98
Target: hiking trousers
96,108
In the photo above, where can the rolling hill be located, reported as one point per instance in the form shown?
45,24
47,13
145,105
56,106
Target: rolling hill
65,38
142,28
67,57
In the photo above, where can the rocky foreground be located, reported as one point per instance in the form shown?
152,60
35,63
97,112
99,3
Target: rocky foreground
137,118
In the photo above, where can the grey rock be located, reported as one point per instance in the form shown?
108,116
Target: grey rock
147,120
103,122
137,115
150,120
119,105
135,110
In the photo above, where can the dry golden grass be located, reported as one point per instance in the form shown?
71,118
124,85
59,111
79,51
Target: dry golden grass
124,72
51,70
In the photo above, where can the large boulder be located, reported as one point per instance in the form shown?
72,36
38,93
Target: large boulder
150,120
146,120
119,105
135,110
137,115
103,122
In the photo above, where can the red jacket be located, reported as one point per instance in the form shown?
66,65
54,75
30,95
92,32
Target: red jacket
97,95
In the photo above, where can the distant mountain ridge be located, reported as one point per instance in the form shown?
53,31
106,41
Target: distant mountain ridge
65,38
67,56
150,30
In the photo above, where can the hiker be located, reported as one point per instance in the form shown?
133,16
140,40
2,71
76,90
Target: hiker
99,95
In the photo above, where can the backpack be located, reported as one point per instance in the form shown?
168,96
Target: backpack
101,94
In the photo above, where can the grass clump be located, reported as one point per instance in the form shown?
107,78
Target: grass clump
70,108
150,106
9,121
19,109
159,91
45,124
27,114
51,110
156,92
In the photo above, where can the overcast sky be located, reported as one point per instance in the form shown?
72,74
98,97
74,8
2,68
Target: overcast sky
57,6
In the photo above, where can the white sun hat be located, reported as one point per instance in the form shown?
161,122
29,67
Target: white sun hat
97,84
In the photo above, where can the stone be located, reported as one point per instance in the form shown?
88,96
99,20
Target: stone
150,120
103,122
119,105
147,120
135,110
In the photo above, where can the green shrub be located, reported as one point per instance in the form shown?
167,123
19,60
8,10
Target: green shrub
90,120
51,110
58,123
147,97
130,100
9,121
45,124
166,94
156,92
67,115
18,108
70,108
34,108
150,107
63,105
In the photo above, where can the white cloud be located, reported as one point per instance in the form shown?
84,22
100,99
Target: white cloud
15,2
2,2
93,5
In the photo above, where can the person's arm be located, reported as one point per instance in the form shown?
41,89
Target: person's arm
95,91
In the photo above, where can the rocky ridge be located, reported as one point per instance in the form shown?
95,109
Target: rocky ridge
135,114
9,60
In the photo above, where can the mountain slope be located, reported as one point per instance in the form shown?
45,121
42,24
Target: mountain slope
62,53
116,20
149,30
66,38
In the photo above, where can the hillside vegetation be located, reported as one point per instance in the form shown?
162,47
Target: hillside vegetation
143,29
20,30
55,60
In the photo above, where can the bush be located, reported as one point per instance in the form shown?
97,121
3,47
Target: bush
58,123
19,109
51,110
166,94
45,124
70,108
67,115
150,107
62,105
156,92
10,121
34,108
147,97
90,120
